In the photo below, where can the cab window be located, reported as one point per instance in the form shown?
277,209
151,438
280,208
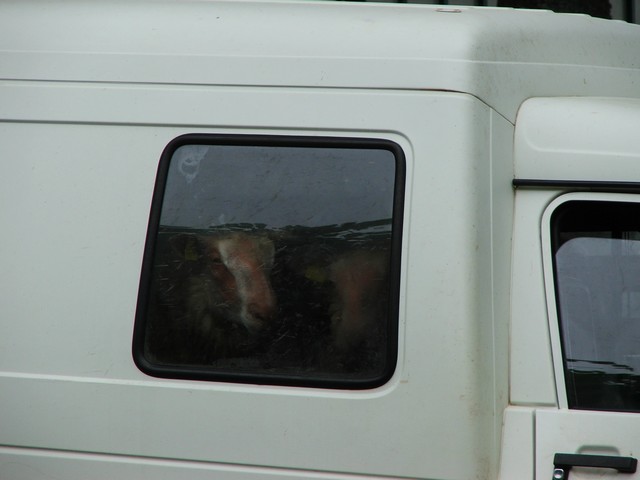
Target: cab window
596,249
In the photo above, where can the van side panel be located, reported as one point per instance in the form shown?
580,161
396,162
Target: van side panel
72,264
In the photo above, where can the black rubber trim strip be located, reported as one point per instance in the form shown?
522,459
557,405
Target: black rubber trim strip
577,184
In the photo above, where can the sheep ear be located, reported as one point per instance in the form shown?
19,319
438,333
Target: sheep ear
186,246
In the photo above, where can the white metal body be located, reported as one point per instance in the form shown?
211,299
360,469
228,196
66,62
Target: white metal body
91,93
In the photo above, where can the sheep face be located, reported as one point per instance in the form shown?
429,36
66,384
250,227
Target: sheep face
235,280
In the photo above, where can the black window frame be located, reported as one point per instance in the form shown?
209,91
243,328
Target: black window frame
243,140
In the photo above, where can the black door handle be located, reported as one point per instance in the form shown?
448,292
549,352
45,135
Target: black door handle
564,462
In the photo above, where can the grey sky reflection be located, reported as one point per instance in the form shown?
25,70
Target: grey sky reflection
277,186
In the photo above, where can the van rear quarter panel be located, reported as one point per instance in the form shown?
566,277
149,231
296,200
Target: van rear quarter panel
78,175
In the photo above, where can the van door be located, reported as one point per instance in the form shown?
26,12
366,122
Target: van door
591,249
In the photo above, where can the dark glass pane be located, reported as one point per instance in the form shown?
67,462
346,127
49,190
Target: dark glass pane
597,268
272,264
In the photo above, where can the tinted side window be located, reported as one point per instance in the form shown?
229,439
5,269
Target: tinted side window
273,260
596,249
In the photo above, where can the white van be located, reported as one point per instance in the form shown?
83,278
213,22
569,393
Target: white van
277,240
